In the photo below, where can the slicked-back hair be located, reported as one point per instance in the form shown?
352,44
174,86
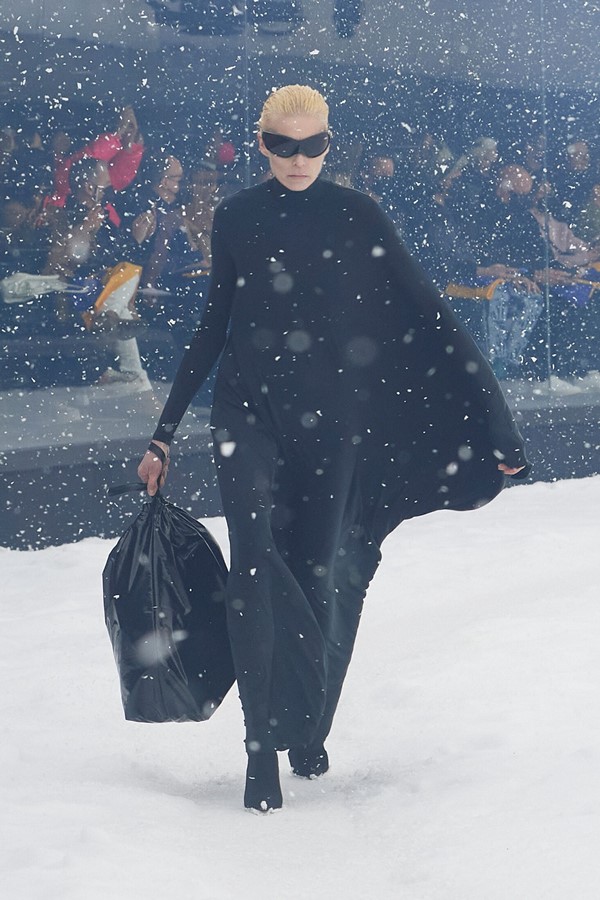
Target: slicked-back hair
293,100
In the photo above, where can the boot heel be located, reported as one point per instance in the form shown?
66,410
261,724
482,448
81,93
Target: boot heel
263,791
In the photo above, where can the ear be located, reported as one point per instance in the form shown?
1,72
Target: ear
261,146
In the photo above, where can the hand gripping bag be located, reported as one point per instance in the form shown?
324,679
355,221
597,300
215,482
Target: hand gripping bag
164,604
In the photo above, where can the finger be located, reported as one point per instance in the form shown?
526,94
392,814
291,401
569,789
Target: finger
149,471
163,476
509,471
152,484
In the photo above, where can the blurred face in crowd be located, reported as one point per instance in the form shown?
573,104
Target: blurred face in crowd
295,172
61,143
486,155
379,174
513,181
168,186
202,195
203,183
91,193
534,153
89,188
382,167
14,215
578,156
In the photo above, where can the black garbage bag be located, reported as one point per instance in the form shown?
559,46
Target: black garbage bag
164,603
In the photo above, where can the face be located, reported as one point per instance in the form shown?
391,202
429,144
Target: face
382,167
168,186
578,155
514,181
203,182
487,158
61,143
297,172
14,215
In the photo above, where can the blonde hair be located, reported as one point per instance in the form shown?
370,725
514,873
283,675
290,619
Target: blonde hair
293,100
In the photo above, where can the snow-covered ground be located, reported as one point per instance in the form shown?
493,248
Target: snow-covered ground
465,757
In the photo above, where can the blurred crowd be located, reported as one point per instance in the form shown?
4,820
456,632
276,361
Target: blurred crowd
512,238
111,238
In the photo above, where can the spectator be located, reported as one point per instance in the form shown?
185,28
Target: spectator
471,177
509,249
572,182
469,189
421,215
23,233
28,173
85,234
153,217
198,211
122,150
378,180
588,223
534,153
86,240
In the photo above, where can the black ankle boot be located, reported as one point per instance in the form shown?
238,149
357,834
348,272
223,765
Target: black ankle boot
309,762
263,791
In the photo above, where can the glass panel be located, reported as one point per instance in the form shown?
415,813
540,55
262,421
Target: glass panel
474,124
106,258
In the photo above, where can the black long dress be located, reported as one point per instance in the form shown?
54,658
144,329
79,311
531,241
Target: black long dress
348,398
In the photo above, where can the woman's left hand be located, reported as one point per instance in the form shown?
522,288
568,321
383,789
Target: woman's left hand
508,471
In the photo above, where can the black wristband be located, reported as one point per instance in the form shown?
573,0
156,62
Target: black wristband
154,448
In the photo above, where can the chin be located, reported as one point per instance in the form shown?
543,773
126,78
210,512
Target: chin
298,184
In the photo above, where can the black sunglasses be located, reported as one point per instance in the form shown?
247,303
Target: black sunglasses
312,146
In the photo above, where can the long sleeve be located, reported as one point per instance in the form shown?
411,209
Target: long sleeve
209,339
107,147
124,165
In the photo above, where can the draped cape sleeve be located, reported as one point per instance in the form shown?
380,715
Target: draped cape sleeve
382,358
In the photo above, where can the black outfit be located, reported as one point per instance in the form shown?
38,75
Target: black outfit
348,398
471,194
155,253
510,234
572,191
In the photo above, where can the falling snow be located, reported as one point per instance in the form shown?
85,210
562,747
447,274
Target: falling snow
465,758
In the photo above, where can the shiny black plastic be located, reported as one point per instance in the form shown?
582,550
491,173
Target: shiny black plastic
164,603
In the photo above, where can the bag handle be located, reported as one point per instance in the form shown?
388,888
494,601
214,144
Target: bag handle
138,485
126,488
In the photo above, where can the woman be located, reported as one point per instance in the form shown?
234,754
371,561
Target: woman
348,398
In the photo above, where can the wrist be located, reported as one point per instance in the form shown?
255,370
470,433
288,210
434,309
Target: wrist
160,449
